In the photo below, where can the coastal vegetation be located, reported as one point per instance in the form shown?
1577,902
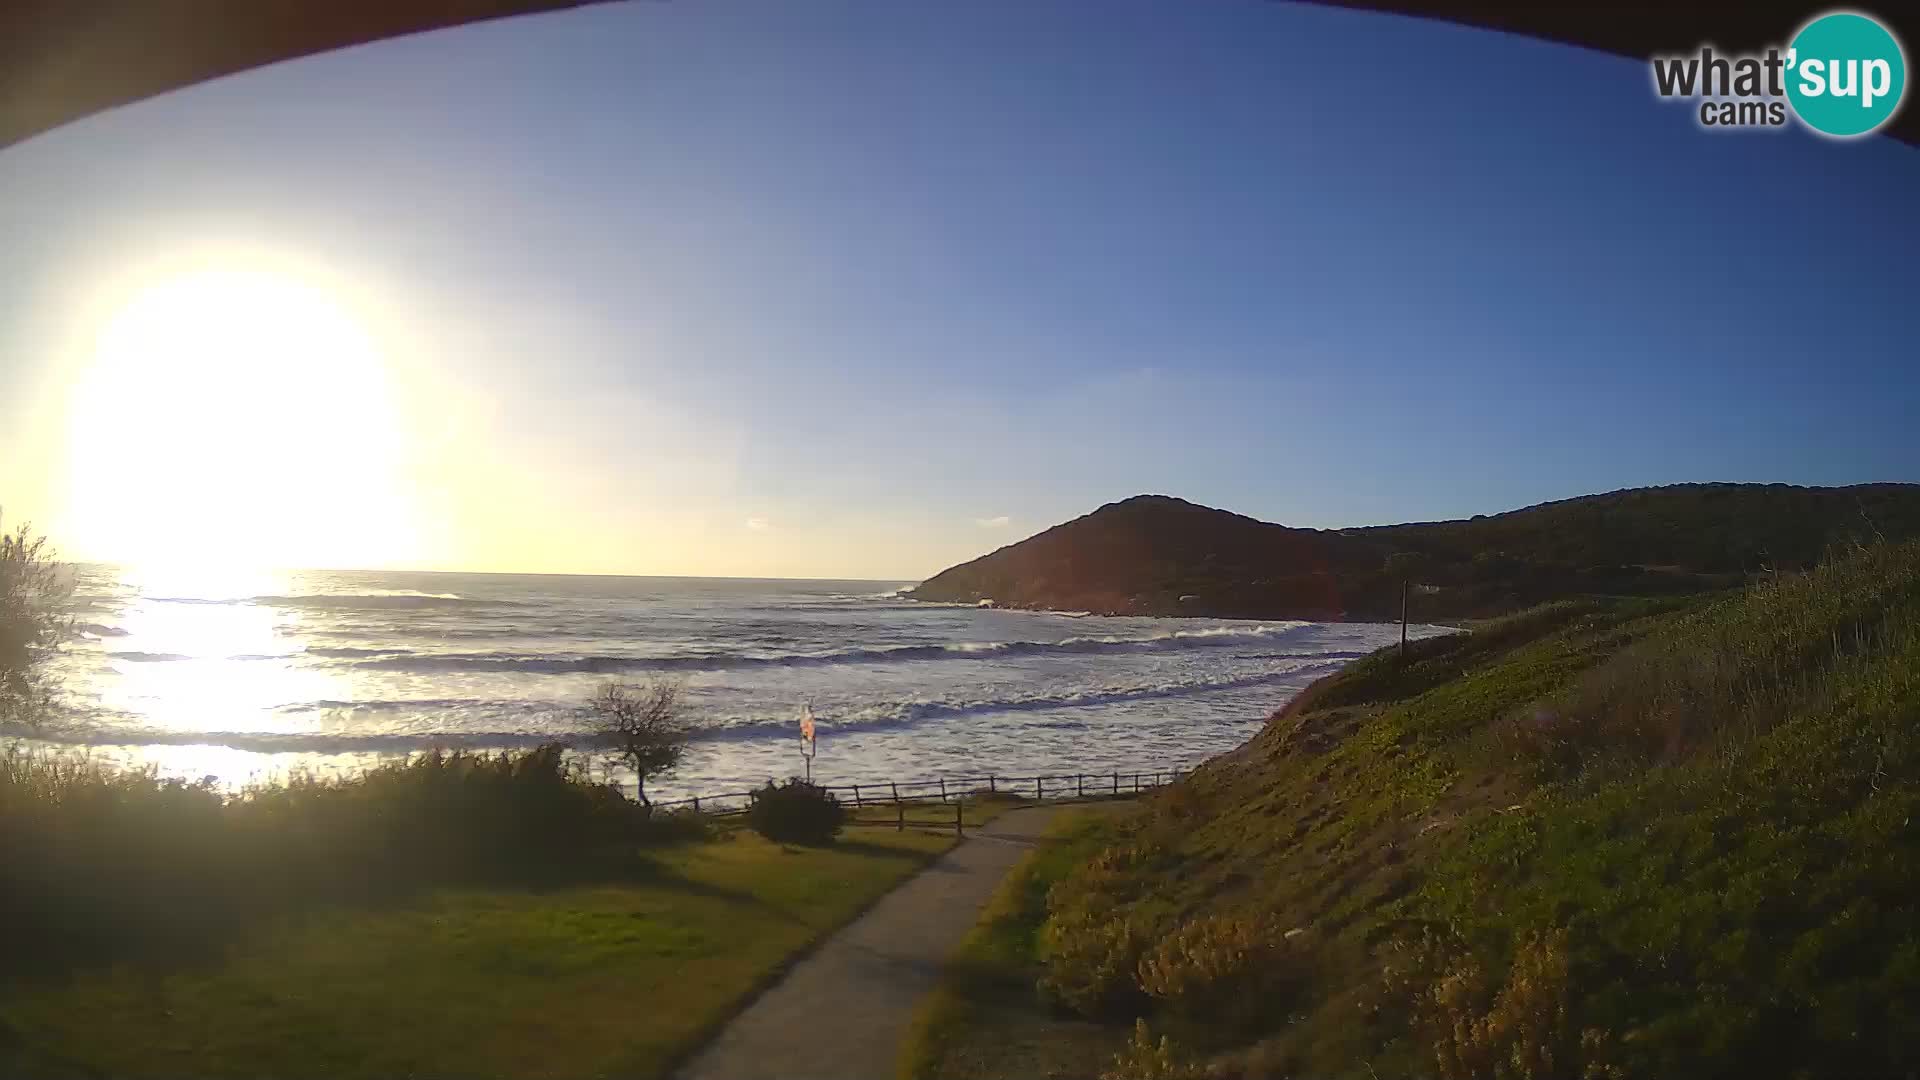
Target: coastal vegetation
796,812
33,622
1156,555
1604,836
643,727
615,976
449,913
1601,838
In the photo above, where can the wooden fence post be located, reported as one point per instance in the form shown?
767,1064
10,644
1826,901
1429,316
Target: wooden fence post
943,789
992,788
1136,783
1116,783
1080,785
958,809
1039,788
900,821
696,804
856,797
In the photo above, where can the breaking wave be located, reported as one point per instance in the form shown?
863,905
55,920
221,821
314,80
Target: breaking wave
1220,637
903,714
374,601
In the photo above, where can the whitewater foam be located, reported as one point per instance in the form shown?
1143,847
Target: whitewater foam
326,668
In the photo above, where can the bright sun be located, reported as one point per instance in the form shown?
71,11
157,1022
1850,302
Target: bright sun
238,418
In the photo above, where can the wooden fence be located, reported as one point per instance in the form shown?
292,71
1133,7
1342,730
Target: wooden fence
898,796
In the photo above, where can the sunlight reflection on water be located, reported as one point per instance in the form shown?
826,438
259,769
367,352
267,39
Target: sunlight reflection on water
247,675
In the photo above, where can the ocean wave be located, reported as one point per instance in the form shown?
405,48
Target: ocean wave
373,601
138,657
349,652
910,713
871,718
1215,637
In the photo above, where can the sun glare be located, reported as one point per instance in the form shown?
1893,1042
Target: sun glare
238,418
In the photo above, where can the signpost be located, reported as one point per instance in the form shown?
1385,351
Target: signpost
808,744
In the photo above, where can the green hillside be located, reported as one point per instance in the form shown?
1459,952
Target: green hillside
1628,838
1153,554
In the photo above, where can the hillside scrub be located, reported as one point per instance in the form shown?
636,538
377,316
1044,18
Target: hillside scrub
1158,555
1600,839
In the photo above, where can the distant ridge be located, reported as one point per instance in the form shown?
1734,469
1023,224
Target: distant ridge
1160,555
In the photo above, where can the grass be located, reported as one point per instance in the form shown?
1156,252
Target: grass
449,915
984,1020
576,981
102,865
1605,838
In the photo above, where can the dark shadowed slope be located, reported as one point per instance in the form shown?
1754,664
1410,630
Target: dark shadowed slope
1153,554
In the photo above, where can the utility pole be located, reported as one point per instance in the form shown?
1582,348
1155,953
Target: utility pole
1405,565
1403,619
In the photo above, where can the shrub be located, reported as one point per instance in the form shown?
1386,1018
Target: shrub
1223,969
1520,1032
1091,956
1094,934
1146,1058
33,595
796,812
97,863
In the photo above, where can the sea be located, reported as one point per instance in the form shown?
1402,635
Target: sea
244,676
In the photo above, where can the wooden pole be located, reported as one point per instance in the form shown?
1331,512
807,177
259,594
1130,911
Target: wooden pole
991,788
696,804
1080,785
896,789
943,789
856,797
1116,783
1039,788
958,809
900,815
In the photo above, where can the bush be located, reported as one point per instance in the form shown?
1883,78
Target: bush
796,812
33,595
1521,1031
1096,930
1222,969
1091,956
97,863
1146,1058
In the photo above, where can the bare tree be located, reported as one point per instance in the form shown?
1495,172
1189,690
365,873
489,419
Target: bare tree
642,725
33,622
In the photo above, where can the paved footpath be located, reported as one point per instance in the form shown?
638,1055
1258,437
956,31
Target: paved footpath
841,1013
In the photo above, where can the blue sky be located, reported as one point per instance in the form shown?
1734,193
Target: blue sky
795,289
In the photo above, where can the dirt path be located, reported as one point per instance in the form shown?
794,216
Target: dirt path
842,1012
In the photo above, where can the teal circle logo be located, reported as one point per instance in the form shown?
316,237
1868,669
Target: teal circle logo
1846,74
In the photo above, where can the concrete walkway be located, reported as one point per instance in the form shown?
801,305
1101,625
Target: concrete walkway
842,1012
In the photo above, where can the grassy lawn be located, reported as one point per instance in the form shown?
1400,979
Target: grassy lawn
986,1019
602,980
